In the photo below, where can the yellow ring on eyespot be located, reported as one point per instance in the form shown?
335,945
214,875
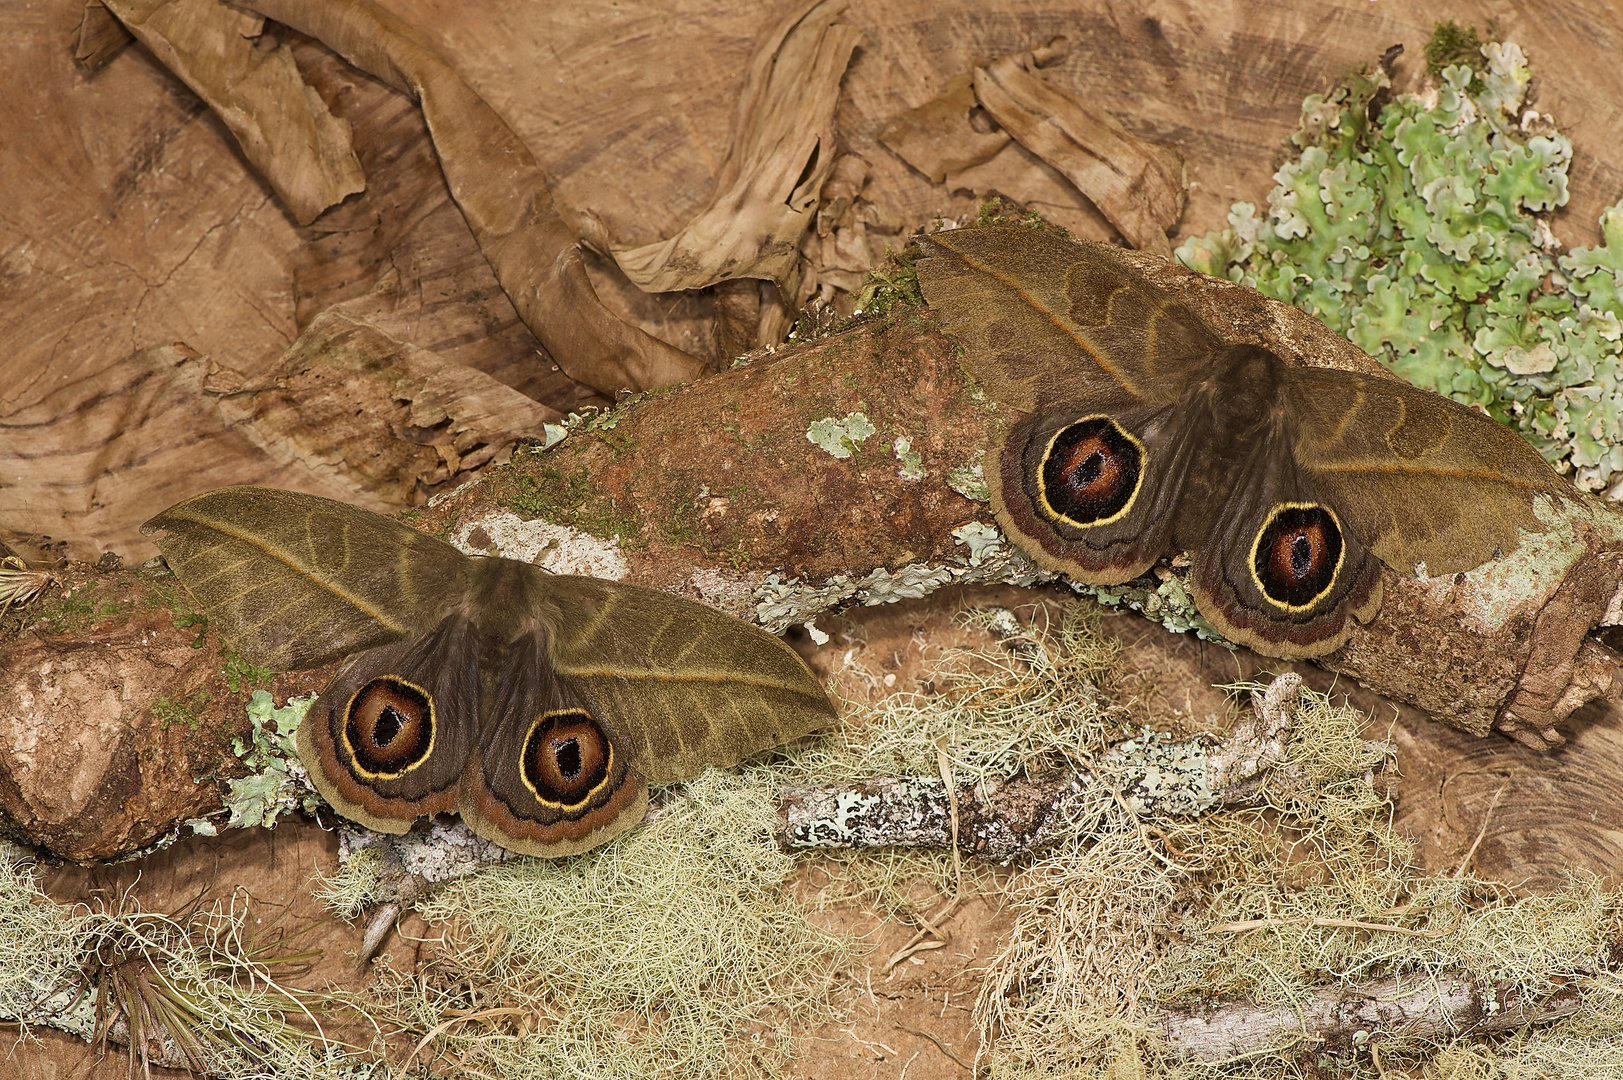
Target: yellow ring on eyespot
1042,485
608,765
1341,555
433,732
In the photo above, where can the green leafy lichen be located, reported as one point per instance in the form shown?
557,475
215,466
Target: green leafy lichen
841,438
274,784
1418,234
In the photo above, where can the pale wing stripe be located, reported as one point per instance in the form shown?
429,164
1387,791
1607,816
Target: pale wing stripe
293,563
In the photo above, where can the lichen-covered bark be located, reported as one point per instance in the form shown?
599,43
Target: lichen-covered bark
117,713
717,489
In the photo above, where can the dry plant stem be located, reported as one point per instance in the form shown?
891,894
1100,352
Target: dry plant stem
504,195
1431,1010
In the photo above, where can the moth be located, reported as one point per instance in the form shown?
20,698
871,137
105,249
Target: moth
539,706
1142,432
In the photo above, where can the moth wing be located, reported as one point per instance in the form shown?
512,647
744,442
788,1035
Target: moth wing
295,580
1092,492
1419,478
387,740
678,685
1041,317
546,776
1279,570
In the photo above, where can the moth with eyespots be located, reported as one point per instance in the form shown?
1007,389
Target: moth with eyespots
1143,433
536,705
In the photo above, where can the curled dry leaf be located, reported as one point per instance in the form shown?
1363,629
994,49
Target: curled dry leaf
504,195
1005,129
1137,185
282,125
783,151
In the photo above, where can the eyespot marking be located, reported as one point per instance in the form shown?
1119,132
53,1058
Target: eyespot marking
388,727
567,758
1297,554
1090,473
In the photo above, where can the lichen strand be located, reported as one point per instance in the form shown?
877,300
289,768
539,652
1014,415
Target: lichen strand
722,474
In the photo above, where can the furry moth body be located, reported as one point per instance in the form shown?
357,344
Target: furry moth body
1144,433
538,706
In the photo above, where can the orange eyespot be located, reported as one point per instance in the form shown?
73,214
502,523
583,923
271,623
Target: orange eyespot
566,757
389,726
1091,472
1297,554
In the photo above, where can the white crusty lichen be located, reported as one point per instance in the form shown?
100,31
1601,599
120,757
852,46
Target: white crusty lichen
841,438
912,464
558,548
969,480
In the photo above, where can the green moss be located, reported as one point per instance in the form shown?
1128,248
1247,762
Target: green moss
241,675
571,499
187,710
1420,235
74,611
1452,44
681,522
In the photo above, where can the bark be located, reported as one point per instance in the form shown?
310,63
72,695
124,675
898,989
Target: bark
1435,1009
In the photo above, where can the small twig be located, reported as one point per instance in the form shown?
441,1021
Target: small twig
1321,920
945,767
917,943
441,1027
939,1044
1480,833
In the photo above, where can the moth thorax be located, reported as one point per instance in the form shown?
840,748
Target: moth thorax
389,726
567,756
1243,394
1297,554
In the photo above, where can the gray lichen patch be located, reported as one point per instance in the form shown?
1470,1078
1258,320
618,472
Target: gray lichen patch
969,479
780,604
558,548
277,783
841,438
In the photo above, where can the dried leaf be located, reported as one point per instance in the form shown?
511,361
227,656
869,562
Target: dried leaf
1135,184
282,125
783,150
504,195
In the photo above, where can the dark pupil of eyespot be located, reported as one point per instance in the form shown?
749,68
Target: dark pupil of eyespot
1087,472
387,727
1090,471
1301,555
568,757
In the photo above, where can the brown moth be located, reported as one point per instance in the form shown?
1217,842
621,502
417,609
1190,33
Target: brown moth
536,705
1144,433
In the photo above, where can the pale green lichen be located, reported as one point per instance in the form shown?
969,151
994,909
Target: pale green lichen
841,438
1167,602
1420,237
912,464
276,782
981,539
970,480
